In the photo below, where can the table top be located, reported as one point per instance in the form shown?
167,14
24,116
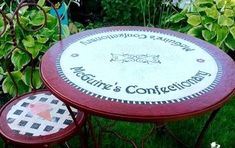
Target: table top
138,73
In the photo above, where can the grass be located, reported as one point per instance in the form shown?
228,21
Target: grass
222,131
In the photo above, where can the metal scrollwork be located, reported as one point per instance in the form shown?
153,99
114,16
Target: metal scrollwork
10,17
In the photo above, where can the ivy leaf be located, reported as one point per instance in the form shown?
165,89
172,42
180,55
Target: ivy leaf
222,34
212,12
225,21
36,80
19,59
28,41
38,19
208,35
194,20
228,13
195,31
232,31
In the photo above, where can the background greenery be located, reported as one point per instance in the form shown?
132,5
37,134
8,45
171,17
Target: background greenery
206,19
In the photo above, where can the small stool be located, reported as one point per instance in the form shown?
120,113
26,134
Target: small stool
38,119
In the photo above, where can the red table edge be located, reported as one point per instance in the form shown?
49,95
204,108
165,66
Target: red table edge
139,117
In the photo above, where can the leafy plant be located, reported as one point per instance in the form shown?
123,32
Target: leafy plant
21,62
121,12
210,20
137,12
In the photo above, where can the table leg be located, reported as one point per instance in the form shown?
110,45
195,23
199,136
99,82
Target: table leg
162,127
107,129
205,128
91,131
147,135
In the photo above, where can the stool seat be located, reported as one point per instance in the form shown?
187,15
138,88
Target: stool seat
38,118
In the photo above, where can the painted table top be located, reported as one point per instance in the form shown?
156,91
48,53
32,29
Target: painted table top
138,73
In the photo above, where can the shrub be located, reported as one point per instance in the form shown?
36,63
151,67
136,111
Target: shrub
210,20
17,61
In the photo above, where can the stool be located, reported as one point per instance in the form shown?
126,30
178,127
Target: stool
38,119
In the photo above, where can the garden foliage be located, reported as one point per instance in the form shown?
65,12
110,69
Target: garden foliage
31,45
136,12
210,20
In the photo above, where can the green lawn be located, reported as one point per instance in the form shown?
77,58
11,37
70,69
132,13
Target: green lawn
222,131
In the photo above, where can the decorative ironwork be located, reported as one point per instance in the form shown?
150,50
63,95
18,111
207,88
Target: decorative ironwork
9,23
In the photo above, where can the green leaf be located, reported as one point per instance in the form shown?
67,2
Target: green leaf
194,20
232,31
222,34
41,2
195,31
215,27
8,85
225,21
35,50
24,21
209,26
38,19
19,59
28,41
1,73
4,49
202,2
34,75
45,32
184,29
228,13
41,39
23,87
230,42
208,35
220,3
176,18
51,22
207,20
212,12
23,9
65,31
46,8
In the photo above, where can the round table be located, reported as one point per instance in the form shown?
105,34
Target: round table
138,73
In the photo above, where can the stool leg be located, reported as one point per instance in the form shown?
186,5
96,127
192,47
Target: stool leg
205,128
64,145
